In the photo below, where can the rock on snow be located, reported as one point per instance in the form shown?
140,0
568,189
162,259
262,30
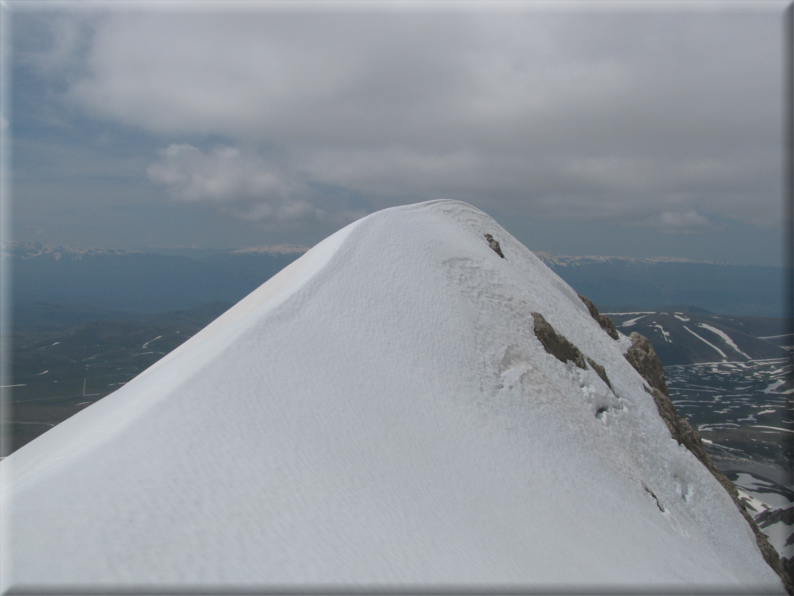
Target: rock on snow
380,413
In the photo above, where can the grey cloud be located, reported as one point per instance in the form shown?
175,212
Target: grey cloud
225,174
57,46
244,184
241,182
688,222
666,119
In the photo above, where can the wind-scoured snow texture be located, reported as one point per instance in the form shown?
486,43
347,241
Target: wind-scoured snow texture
380,414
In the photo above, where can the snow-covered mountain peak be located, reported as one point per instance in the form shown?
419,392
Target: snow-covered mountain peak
384,411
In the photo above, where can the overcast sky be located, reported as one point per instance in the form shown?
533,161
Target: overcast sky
635,129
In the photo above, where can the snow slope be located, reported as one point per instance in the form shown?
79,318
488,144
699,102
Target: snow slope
380,413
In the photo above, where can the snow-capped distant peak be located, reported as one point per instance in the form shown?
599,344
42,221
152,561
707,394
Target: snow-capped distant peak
272,249
32,250
569,260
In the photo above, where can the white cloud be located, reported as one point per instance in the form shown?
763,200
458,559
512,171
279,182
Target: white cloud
223,175
243,184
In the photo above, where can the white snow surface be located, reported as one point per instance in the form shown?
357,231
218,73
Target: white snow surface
380,413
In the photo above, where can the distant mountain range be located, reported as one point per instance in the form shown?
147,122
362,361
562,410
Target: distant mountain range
163,279
558,260
29,250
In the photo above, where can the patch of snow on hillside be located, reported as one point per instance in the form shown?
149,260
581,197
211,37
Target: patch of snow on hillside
665,334
766,504
631,322
777,428
725,337
772,388
705,341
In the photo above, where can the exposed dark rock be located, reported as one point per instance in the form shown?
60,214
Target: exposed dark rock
643,358
603,320
655,498
599,371
556,345
771,556
788,565
562,349
494,244
769,517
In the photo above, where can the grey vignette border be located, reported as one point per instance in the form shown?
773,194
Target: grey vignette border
6,213
6,322
395,590
788,183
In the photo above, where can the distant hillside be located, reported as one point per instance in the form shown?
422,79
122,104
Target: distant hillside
65,357
653,283
178,278
686,337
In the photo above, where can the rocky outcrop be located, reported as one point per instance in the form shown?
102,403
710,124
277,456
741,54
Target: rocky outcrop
562,349
603,320
494,244
599,371
770,517
556,345
643,358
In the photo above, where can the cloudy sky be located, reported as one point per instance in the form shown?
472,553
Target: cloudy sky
637,129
